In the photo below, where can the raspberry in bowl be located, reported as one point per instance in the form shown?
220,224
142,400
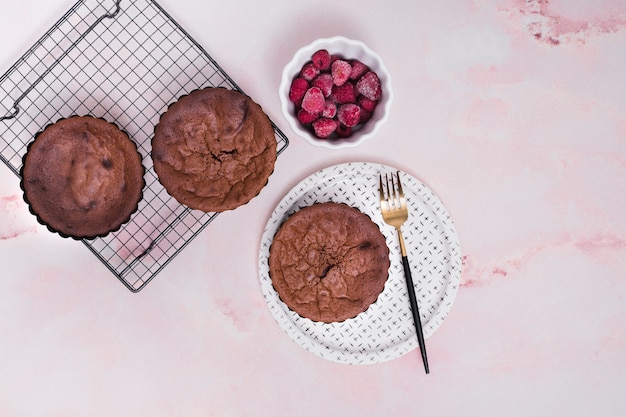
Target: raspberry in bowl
335,92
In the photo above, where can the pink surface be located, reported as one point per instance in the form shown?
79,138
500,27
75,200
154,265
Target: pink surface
512,112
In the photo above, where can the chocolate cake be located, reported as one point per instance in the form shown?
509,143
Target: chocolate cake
214,149
329,262
82,177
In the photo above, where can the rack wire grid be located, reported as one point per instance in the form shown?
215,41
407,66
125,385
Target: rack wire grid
124,61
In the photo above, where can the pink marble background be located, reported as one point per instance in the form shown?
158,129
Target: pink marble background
513,112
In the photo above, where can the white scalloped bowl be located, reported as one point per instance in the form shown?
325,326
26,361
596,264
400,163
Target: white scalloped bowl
348,49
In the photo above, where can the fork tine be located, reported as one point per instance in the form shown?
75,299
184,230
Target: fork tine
387,192
381,189
401,197
399,185
384,192
393,195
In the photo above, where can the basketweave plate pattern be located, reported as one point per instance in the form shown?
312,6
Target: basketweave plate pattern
384,331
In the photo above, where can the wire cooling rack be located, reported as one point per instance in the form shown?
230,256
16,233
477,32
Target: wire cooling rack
124,61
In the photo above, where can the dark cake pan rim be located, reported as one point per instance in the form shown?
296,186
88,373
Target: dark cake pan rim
269,272
63,234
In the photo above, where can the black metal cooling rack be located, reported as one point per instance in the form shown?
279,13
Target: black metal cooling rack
124,61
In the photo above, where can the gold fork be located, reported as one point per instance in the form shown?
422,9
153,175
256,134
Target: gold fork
395,213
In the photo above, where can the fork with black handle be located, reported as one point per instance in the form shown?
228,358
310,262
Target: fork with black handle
395,212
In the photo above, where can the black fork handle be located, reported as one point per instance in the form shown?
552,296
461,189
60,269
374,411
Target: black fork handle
415,310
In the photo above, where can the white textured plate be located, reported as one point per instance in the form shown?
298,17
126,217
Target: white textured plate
385,331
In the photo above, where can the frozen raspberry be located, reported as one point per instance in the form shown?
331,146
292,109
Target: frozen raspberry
344,93
365,116
369,86
309,71
325,83
323,128
358,69
340,70
321,59
343,131
297,90
305,117
313,100
366,103
349,114
330,109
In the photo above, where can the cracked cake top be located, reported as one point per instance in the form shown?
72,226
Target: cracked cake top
214,149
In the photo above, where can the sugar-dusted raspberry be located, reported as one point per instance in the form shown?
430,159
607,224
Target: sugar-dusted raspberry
305,117
340,70
343,131
323,127
321,59
297,90
325,83
366,103
358,69
330,109
313,100
309,71
344,93
369,85
349,114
